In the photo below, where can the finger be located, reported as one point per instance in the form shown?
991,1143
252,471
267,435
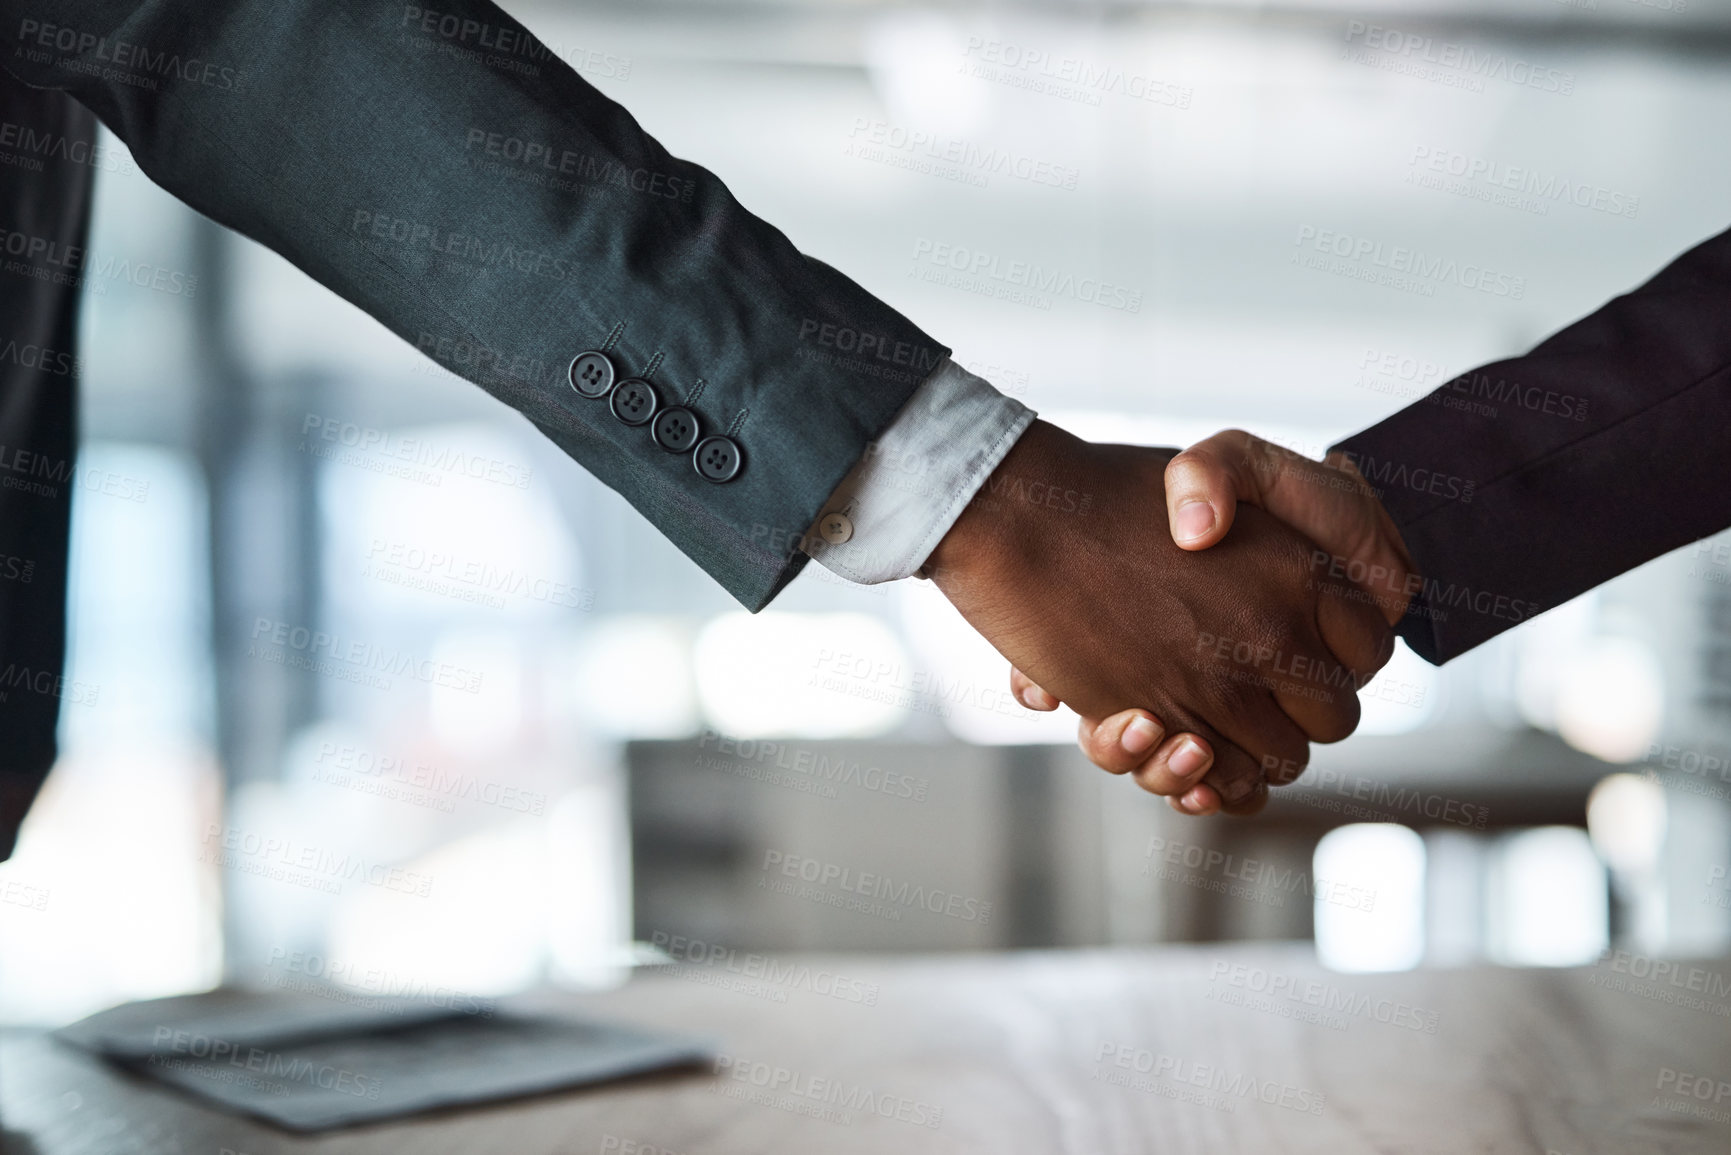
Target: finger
1325,706
1031,695
1204,485
1320,694
1236,778
1122,742
1249,804
1387,566
1177,766
1355,630
1251,728
1197,802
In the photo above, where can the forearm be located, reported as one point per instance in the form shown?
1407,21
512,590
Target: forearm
322,131
917,477
1526,482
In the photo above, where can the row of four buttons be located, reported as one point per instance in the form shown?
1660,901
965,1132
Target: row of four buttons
675,428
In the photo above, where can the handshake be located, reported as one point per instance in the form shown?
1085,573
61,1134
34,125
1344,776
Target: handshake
1213,613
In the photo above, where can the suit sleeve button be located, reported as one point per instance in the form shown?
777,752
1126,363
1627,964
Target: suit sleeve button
592,374
717,458
836,528
634,401
676,429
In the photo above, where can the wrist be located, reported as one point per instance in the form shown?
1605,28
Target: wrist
992,522
1387,552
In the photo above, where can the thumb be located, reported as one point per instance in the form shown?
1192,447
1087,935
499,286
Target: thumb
1204,485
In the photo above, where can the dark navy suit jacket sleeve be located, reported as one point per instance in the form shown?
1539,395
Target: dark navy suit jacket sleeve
1526,482
364,140
45,146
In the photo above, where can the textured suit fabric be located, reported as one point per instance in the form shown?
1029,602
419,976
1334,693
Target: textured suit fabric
45,184
1610,445
361,140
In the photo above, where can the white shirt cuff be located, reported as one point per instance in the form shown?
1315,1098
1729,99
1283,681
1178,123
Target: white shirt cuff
890,512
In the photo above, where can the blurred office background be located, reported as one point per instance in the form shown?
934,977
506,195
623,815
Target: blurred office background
374,686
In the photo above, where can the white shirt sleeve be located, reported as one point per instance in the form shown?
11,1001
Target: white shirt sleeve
890,512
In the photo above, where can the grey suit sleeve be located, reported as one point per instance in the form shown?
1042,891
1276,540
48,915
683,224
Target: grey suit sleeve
391,158
1526,482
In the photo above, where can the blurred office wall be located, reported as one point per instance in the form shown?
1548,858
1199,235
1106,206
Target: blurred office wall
553,707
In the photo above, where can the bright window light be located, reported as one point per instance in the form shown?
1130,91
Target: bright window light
803,675
633,678
1402,697
109,896
1626,821
968,682
912,58
1546,648
1611,699
589,886
480,928
441,521
476,695
1549,901
1368,884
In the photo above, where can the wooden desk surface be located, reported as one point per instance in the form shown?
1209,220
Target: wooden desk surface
1170,1051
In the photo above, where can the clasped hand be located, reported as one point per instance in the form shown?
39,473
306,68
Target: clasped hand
1197,612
